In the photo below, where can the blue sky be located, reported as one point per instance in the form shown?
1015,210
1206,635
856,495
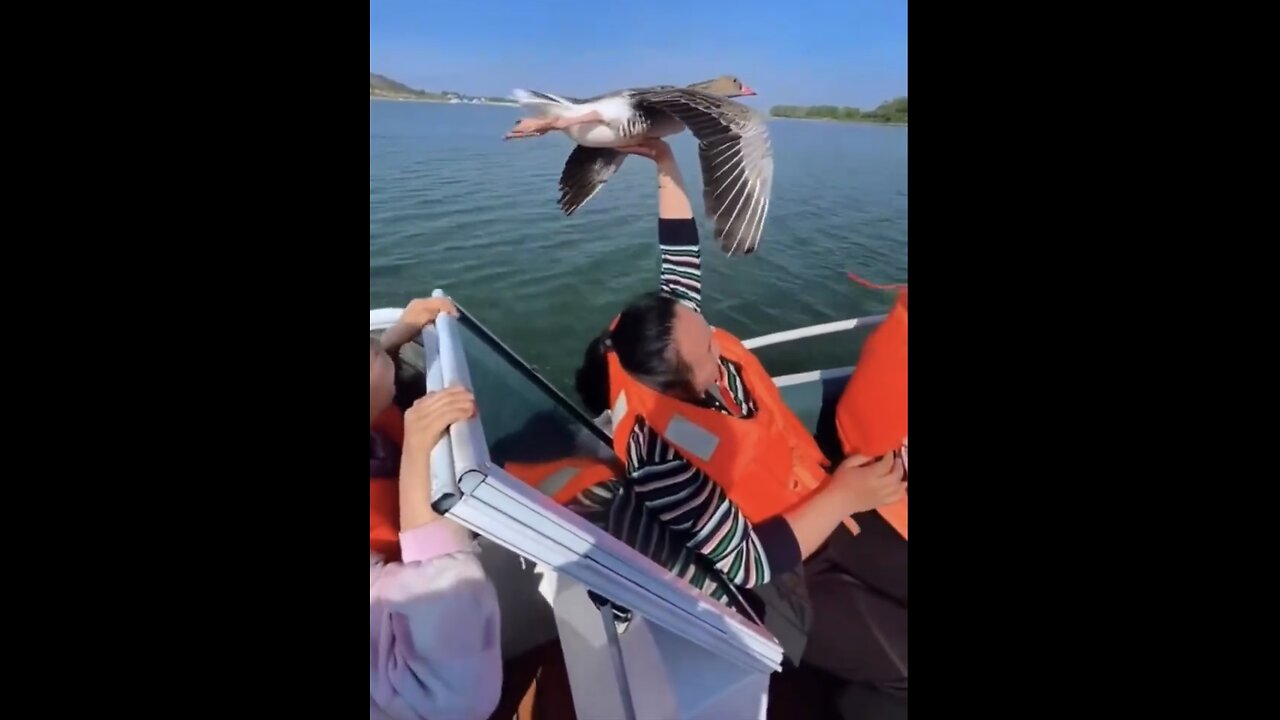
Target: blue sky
805,53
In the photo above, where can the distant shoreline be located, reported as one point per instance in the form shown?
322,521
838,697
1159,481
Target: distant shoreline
386,98
406,99
838,120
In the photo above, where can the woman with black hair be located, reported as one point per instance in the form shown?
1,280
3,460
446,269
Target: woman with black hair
714,455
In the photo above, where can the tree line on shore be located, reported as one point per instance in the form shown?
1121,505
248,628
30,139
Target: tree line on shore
890,111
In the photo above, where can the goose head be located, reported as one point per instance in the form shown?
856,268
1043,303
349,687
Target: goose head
725,86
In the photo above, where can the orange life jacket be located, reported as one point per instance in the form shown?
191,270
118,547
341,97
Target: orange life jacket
564,479
871,415
766,464
384,493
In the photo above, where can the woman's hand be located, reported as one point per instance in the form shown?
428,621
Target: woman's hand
857,485
653,148
867,485
426,422
424,311
673,201
419,314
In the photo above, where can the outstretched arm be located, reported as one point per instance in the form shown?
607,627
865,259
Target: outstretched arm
681,274
673,201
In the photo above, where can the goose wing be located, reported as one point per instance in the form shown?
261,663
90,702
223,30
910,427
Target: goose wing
736,158
629,93
585,171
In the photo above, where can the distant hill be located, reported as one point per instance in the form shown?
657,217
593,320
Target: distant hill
382,86
892,111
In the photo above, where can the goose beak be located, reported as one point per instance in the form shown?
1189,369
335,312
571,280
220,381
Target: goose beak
746,91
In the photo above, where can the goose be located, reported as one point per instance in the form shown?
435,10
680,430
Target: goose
733,146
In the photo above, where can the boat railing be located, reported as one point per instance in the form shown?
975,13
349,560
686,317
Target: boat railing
812,331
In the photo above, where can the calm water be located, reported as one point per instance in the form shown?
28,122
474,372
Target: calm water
453,206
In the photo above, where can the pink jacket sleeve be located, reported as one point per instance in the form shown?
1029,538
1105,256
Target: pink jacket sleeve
434,634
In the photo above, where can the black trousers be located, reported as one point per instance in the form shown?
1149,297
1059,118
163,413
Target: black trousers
858,592
858,588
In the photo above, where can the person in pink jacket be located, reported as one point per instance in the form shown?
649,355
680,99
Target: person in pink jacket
434,632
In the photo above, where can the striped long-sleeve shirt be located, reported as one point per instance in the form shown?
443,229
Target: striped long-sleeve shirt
670,490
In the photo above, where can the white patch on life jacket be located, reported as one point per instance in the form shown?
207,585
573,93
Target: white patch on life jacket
619,411
690,437
557,480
